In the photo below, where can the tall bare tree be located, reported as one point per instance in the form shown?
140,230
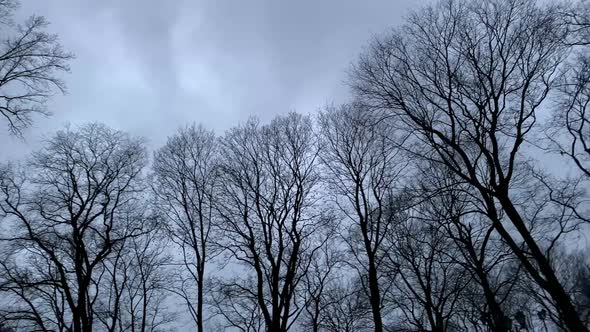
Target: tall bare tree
30,61
136,284
325,269
236,305
364,169
269,214
467,79
480,251
63,217
569,130
185,178
348,310
429,285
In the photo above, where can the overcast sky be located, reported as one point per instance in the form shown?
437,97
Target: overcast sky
149,67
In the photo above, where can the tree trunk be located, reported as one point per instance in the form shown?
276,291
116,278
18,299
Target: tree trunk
375,295
200,302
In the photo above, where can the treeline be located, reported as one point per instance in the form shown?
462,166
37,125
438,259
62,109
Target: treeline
449,194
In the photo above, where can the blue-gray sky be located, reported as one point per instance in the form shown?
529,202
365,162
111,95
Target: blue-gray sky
149,67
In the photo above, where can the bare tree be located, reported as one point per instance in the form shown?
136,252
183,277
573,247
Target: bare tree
325,268
136,285
269,214
481,252
232,300
570,118
567,132
30,59
431,285
573,268
185,178
349,309
467,78
363,171
580,282
64,216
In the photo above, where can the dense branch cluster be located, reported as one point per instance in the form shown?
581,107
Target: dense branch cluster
430,202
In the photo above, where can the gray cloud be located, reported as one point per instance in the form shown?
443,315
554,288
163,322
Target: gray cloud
148,67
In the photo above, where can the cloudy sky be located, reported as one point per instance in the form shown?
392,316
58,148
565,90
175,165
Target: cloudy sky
149,67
